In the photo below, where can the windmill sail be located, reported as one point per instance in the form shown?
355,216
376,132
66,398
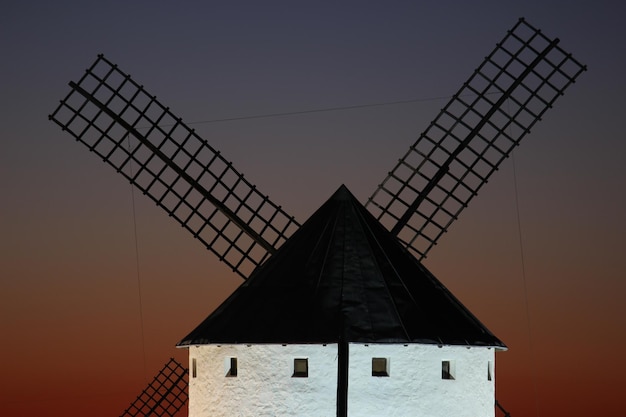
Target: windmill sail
130,130
478,128
165,395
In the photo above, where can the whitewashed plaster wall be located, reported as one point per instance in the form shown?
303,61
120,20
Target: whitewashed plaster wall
415,386
264,385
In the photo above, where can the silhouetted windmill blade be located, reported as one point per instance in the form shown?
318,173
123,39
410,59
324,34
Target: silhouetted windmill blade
165,395
118,120
478,128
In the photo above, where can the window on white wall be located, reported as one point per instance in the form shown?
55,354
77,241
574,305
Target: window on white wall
380,367
193,368
447,370
300,368
489,371
231,367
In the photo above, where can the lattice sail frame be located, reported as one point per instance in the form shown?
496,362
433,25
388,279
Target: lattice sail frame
165,395
130,130
478,128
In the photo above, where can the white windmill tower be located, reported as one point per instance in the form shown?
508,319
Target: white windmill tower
337,317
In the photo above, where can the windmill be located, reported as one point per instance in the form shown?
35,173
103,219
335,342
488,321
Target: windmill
118,120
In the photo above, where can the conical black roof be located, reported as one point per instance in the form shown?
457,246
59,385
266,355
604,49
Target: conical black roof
342,276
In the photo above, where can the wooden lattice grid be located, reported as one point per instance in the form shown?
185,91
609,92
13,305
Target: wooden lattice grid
478,128
117,119
164,396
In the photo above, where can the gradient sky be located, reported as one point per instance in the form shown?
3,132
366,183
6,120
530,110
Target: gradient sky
70,328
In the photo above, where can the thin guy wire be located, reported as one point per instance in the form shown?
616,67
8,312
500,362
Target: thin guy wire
143,339
533,368
322,110
326,109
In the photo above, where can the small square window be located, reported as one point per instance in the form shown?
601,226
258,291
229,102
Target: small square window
231,365
380,367
300,368
447,370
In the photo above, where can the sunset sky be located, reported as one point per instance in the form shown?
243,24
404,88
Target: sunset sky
71,312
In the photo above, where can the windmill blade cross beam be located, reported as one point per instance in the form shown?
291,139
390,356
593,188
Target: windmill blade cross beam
108,112
478,128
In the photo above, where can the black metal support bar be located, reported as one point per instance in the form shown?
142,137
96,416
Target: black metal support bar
342,378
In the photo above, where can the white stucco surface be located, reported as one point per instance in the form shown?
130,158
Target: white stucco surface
415,387
264,385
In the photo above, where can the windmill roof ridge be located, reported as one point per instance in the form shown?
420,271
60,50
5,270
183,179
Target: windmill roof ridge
342,276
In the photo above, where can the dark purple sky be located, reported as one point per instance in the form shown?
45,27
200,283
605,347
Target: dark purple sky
70,328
